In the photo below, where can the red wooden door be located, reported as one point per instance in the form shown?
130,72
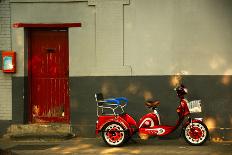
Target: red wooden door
48,76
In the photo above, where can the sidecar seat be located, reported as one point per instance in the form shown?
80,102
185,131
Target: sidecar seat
110,103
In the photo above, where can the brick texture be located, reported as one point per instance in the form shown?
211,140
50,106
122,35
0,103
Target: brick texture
5,97
5,36
5,79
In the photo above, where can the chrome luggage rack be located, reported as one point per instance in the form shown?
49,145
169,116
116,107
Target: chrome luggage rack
110,103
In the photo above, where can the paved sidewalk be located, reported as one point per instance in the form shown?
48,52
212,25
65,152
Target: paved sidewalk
96,146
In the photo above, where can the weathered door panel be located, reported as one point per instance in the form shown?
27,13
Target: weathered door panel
48,75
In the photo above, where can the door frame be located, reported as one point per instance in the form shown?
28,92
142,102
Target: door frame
26,26
29,73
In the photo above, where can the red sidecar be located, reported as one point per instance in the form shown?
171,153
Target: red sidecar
116,127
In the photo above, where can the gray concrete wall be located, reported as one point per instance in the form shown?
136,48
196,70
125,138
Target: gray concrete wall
5,79
215,96
137,37
149,37
163,37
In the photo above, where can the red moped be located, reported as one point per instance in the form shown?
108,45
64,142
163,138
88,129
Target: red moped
118,127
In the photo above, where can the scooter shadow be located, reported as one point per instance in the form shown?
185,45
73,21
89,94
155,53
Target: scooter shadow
154,141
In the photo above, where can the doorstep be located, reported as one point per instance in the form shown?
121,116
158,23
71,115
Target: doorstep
53,131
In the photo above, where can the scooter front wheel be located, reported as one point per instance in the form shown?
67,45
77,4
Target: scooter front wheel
196,133
114,134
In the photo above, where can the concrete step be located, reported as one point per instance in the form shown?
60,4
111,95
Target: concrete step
52,131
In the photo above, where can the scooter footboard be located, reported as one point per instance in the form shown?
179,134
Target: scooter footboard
159,130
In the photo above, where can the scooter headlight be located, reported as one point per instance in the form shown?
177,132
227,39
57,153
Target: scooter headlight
186,90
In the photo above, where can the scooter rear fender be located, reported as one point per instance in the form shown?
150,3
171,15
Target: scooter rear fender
125,120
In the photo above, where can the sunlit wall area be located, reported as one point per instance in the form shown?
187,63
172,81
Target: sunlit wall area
169,36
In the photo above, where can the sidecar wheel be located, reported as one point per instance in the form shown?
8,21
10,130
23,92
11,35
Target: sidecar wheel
114,134
196,134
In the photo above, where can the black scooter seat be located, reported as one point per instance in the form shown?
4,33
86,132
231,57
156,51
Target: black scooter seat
152,103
